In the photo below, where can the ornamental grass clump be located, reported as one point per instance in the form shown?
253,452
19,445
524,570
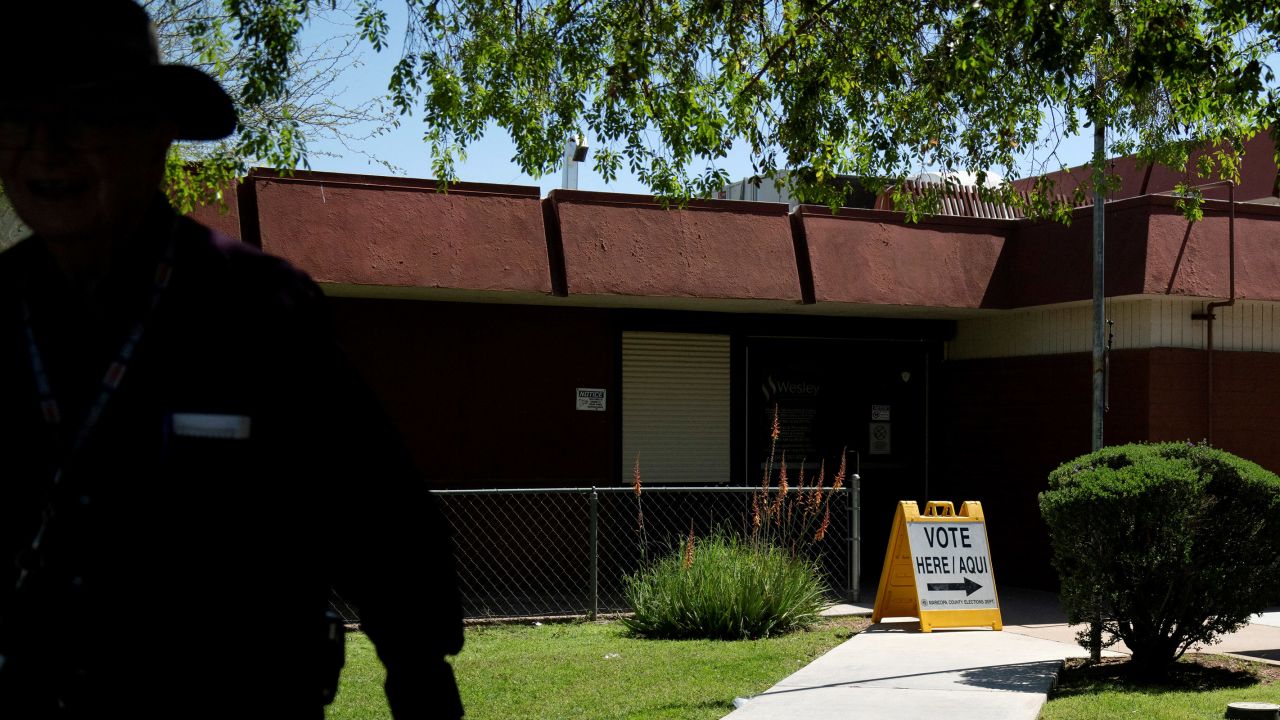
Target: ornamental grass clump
722,587
1172,545
763,581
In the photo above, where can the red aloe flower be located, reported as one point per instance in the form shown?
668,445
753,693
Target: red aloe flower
635,476
822,529
688,548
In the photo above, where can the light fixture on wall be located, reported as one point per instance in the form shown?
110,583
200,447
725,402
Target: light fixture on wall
575,151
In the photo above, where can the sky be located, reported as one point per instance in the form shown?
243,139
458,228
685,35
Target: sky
490,160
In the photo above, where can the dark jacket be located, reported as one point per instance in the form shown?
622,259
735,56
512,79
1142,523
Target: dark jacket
186,571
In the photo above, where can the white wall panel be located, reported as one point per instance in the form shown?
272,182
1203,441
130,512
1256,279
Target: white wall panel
1142,322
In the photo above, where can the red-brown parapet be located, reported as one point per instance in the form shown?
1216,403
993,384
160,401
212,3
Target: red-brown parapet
874,257
222,215
1151,250
402,237
1194,259
619,246
1258,176
399,232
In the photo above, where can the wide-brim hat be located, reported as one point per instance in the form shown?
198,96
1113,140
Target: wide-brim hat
101,56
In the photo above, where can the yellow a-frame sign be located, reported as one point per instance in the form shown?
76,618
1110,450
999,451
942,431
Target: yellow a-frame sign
938,568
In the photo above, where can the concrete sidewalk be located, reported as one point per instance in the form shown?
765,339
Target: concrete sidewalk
892,670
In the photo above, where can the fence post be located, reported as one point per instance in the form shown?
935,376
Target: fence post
855,538
595,554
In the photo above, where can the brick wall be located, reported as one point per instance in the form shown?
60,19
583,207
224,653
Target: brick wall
1246,401
1004,424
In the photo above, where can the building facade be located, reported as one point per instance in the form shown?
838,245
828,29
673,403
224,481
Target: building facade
521,341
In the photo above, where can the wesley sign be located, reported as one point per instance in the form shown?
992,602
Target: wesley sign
938,568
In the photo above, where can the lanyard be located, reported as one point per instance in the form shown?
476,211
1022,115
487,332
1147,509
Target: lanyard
51,411
49,407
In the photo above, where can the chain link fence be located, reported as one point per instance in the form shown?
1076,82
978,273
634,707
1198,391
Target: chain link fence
568,551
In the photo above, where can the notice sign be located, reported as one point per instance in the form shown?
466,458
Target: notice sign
938,568
591,399
952,566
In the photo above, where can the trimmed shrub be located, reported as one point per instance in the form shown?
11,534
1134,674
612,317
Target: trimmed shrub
720,587
1172,544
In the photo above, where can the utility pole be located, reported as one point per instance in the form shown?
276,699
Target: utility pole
1099,282
1099,311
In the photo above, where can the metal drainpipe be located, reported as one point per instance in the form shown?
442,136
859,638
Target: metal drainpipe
1207,315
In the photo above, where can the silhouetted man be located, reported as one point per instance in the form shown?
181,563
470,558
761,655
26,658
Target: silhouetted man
187,463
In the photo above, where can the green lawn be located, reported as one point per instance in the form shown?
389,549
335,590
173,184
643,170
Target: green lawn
1195,692
593,671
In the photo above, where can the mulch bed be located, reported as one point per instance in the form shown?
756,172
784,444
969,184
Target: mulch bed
1194,672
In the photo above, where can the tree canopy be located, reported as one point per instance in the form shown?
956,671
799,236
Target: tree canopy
811,89
815,88
287,91
286,87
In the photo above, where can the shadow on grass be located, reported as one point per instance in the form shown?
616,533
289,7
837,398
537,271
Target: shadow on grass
1194,673
667,710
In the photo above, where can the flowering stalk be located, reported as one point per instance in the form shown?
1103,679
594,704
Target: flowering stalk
782,490
839,481
635,476
636,488
822,478
822,529
688,548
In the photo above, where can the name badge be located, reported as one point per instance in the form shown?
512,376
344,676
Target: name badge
210,425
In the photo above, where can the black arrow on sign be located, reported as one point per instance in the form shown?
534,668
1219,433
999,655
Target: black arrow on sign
968,586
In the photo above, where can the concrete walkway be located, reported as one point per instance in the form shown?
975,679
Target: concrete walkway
893,671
